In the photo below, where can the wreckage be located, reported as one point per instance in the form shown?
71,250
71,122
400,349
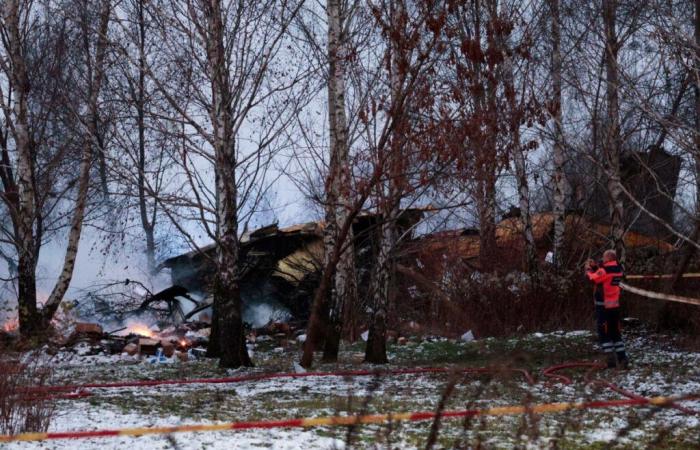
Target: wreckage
280,268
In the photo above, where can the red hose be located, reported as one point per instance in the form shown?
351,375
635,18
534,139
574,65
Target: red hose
268,376
593,367
549,372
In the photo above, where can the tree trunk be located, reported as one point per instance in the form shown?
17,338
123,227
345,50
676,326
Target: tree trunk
559,201
696,155
314,328
25,238
338,195
375,351
64,279
140,103
487,163
519,160
90,142
28,316
691,250
388,207
486,209
613,143
524,203
227,294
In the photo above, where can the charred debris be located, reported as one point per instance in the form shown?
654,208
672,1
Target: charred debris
280,269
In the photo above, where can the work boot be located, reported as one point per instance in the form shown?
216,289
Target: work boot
612,361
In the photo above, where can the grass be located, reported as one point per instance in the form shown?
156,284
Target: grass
658,370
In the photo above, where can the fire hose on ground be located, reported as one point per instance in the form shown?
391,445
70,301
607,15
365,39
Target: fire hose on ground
550,372
354,420
80,391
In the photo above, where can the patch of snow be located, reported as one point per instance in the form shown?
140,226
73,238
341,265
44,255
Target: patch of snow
74,416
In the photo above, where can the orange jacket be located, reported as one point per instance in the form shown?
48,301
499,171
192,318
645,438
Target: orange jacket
609,276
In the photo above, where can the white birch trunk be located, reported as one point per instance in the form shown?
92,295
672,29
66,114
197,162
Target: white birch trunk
519,161
613,142
25,239
338,190
559,200
89,144
388,209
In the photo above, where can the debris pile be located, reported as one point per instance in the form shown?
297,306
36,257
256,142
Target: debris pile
137,339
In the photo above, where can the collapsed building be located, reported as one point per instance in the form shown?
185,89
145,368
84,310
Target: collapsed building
280,267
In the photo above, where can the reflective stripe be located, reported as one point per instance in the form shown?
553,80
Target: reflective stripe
600,303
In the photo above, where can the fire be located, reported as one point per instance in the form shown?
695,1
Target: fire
11,325
140,329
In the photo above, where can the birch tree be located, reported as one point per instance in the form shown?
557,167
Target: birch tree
238,99
338,184
613,141
521,108
411,57
558,159
32,188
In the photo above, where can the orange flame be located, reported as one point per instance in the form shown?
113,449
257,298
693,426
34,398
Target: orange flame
11,325
140,329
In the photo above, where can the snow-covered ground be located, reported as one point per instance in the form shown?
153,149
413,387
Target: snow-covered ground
83,416
659,369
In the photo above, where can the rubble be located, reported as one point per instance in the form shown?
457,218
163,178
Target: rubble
89,329
168,348
148,346
131,349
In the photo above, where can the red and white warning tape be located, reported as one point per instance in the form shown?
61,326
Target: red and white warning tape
353,420
659,295
658,277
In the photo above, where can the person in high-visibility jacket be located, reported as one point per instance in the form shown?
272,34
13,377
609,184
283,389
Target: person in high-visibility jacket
607,278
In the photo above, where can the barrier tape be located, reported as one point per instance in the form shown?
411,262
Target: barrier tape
657,277
267,376
352,420
660,296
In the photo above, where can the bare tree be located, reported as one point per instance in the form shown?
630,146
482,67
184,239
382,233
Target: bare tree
380,121
559,200
33,192
338,184
145,137
521,107
613,141
233,48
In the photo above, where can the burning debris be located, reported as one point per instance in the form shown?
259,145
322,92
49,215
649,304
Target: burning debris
137,339
11,326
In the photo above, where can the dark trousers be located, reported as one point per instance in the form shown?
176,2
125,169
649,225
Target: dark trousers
610,331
